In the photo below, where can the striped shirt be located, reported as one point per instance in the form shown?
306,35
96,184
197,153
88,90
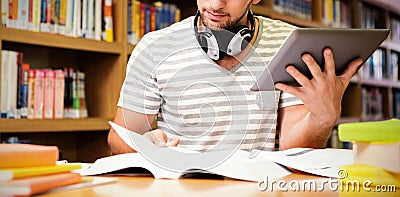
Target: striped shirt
195,99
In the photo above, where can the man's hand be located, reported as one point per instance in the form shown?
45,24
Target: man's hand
159,138
322,94
310,125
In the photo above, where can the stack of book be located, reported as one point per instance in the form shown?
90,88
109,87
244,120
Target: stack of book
376,148
27,169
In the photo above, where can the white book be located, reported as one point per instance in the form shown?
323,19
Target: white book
377,154
4,12
69,17
98,19
76,30
23,14
12,84
236,164
4,83
90,20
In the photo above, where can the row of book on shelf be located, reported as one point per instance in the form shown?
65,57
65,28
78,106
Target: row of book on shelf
144,17
40,93
92,19
335,13
380,66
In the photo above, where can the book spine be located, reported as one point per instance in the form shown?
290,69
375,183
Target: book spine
4,86
43,16
24,90
62,17
136,21
38,95
30,15
59,94
84,17
31,93
48,94
75,98
108,20
36,12
129,21
90,23
69,17
81,95
4,12
23,11
98,19
12,84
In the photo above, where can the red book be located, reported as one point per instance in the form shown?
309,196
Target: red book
37,184
27,155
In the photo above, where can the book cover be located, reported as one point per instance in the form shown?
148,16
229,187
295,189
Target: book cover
374,175
376,154
373,131
48,94
34,185
7,174
24,155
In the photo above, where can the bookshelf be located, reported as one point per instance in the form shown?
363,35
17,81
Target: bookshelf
104,64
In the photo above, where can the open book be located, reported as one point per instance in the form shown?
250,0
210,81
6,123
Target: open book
175,162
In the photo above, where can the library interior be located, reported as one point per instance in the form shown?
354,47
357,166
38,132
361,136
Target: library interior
63,64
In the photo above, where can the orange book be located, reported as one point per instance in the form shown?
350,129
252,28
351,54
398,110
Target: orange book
37,184
27,155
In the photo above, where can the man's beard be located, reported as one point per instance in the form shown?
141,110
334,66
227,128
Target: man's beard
228,24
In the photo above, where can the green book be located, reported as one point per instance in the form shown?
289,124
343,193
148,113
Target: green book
387,131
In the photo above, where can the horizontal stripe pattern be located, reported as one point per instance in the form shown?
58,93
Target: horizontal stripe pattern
204,105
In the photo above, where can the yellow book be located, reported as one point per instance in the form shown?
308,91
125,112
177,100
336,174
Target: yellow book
365,175
13,173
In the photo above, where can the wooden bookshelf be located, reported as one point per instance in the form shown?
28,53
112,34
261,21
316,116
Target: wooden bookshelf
50,125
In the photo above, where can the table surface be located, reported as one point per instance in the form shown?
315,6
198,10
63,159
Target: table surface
148,186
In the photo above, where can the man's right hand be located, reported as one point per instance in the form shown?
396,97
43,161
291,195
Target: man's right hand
160,139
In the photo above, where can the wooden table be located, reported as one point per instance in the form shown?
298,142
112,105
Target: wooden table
148,186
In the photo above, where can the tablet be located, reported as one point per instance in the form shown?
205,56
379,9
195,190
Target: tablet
346,44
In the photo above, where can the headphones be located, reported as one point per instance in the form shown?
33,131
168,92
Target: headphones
219,43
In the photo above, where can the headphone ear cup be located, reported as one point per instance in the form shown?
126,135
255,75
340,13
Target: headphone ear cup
239,42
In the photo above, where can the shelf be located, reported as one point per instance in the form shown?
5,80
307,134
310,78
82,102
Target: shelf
342,120
130,48
380,83
269,12
53,125
391,45
59,41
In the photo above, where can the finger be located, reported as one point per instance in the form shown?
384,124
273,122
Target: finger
313,66
289,89
351,70
329,63
174,142
298,76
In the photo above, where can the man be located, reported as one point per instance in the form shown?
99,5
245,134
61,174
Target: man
195,109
